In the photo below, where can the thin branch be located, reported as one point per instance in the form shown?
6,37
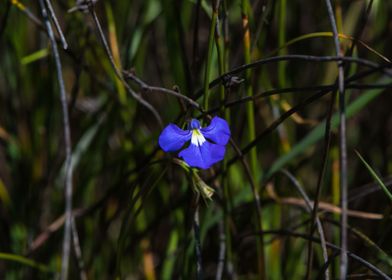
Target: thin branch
40,240
312,58
118,73
146,87
56,24
272,92
68,147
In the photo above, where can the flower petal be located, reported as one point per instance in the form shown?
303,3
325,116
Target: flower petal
173,138
218,131
203,156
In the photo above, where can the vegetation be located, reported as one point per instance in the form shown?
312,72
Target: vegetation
304,191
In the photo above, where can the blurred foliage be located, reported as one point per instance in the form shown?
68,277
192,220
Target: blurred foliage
133,205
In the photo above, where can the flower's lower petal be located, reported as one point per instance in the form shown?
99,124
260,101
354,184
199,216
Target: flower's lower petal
218,131
203,156
173,138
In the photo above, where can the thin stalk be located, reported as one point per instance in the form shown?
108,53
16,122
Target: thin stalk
57,24
342,146
327,143
195,46
276,101
256,201
224,231
251,129
78,251
112,37
207,71
221,61
271,92
225,55
282,41
248,87
222,250
68,147
228,199
183,48
310,207
383,68
117,71
196,232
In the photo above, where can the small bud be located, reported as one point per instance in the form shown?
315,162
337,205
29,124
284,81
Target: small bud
202,188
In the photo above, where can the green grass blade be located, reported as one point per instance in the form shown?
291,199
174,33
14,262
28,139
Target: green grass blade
375,176
24,261
34,56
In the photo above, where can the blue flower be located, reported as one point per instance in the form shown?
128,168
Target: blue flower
207,145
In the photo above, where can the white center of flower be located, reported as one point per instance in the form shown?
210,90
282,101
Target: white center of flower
197,138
